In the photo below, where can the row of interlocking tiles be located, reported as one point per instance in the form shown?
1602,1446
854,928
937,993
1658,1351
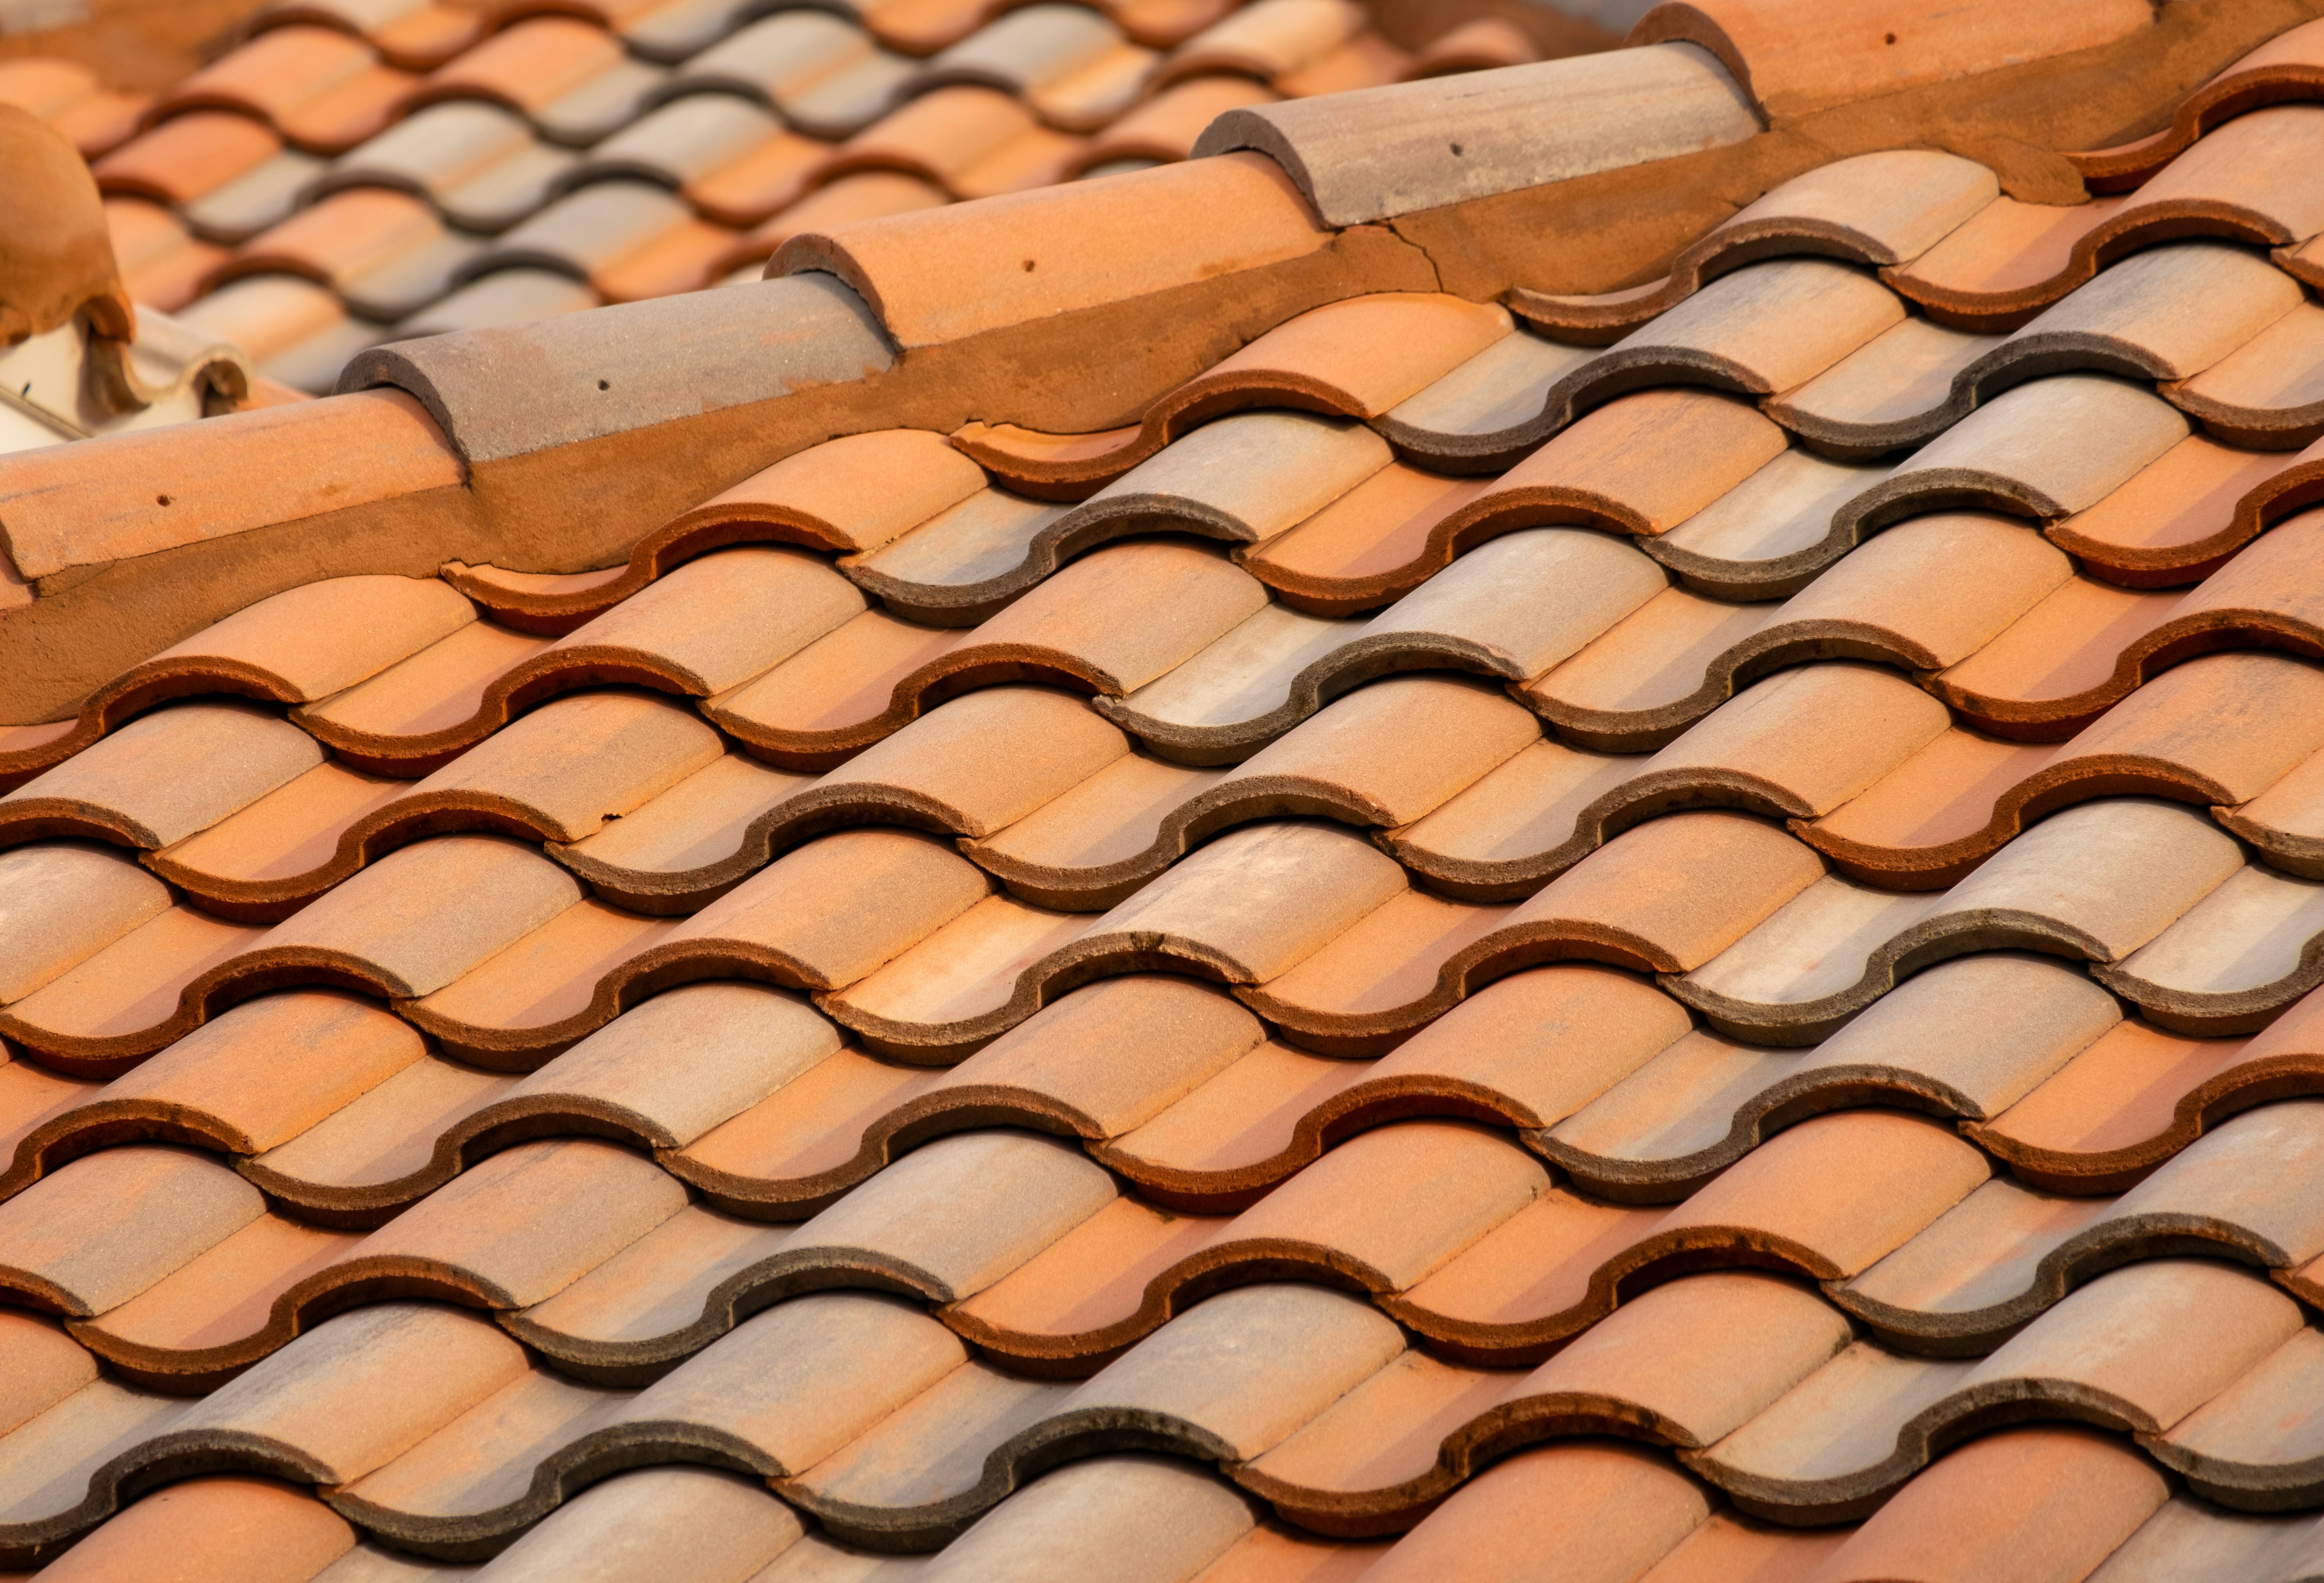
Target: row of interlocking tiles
323,188
1875,1165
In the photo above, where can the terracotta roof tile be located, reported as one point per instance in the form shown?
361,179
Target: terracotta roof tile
675,1523
476,161
2047,1503
2006,263
2239,1446
65,902
804,334
160,263
1374,154
2085,1353
1885,208
1164,1521
298,646
1164,127
823,74
1840,944
1702,1102
2231,963
2033,1249
216,1529
1097,625
2281,68
1343,764
448,697
1855,58
188,156
320,88
556,1094
98,1232
821,1132
2180,735
854,493
1414,957
1081,229
997,964
162,777
319,456
225,1085
1357,358
1498,1526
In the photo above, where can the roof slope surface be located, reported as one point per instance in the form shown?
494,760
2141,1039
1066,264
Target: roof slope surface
1670,930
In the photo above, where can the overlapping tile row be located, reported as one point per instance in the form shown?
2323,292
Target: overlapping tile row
612,1273
340,179
1588,1098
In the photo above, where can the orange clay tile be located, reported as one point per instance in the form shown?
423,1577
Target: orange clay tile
940,137
1681,1364
1074,235
2179,518
1355,358
412,717
679,1522
211,1531
803,922
1061,1069
513,1231
294,647
64,902
2191,734
1999,267
320,88
1103,838
1921,595
1611,470
1703,1102
260,1075
1552,1501
1527,1050
339,239
1880,209
1632,902
1164,128
854,494
1001,961
378,931
221,477
2290,66
187,156
562,773
1479,44
2088,645
1562,1263
2138,1096
98,1232
2006,1256
160,263
2035,1503
759,182
1881,47
1367,60
1109,623
409,1134
970,767
525,67
1078,1299
867,195
162,777
1269,38
1333,563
